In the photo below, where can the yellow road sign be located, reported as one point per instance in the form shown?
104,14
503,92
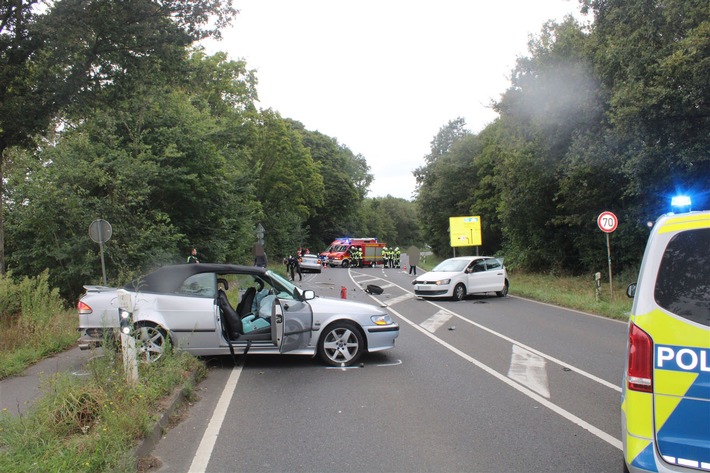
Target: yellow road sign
465,231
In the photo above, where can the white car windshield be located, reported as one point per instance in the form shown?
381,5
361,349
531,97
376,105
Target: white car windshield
451,266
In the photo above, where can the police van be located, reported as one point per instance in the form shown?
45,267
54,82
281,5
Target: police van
665,407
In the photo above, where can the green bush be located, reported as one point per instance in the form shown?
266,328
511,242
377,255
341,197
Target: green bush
93,423
9,299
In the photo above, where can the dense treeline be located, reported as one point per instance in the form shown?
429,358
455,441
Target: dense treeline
613,115
109,112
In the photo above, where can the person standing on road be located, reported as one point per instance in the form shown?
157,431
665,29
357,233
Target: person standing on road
193,256
413,256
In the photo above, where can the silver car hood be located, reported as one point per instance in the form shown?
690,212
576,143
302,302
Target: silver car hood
332,305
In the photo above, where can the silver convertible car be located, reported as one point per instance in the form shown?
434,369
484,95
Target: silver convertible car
214,309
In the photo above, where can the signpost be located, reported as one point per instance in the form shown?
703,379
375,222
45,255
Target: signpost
607,223
100,232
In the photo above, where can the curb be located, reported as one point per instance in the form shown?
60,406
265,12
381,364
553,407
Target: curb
150,441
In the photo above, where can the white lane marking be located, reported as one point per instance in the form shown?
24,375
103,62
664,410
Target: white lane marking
398,299
209,438
594,378
529,369
363,281
436,320
611,440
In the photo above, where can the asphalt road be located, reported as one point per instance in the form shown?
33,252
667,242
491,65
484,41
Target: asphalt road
486,384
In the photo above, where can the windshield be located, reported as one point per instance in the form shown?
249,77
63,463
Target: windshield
451,266
285,289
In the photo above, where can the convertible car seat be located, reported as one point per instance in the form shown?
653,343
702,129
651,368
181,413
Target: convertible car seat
232,322
244,306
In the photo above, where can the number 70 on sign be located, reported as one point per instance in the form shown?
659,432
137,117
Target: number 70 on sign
607,222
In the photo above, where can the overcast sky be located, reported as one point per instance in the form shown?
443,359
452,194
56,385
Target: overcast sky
383,76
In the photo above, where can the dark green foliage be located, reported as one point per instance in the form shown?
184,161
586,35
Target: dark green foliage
613,116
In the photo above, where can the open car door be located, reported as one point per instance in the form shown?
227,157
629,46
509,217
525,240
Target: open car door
291,323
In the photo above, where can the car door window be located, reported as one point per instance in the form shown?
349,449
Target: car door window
479,267
199,285
493,265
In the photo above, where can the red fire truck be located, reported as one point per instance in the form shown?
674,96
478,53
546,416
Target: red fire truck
338,253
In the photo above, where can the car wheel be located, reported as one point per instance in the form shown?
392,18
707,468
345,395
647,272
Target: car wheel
459,292
346,263
342,344
504,292
151,342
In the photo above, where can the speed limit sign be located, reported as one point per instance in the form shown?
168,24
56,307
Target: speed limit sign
607,222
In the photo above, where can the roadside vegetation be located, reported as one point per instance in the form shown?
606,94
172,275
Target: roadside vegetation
34,323
93,423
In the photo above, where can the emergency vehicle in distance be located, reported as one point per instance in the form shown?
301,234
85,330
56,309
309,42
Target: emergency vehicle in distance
665,405
339,252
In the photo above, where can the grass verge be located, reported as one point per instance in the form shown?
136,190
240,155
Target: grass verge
92,423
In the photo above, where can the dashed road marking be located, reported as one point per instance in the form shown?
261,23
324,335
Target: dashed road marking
436,320
398,299
530,370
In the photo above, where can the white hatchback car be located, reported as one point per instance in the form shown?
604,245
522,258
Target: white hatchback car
457,277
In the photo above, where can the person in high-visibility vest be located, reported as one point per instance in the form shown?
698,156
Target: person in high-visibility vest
396,257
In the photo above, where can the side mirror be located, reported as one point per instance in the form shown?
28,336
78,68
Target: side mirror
631,290
308,295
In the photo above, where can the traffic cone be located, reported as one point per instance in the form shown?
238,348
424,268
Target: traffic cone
405,267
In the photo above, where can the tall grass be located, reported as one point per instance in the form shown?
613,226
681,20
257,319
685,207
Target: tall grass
92,423
33,323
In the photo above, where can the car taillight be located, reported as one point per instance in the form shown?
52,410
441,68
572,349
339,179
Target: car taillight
639,375
84,308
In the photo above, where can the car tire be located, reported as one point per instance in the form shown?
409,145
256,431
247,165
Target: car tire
346,263
151,342
341,344
504,292
459,292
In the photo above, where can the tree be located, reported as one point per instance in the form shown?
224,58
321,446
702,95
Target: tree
287,181
346,178
161,167
62,58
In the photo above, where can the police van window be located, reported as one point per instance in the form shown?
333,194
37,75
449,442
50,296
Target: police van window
683,282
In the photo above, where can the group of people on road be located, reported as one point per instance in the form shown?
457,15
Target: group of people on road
391,257
355,256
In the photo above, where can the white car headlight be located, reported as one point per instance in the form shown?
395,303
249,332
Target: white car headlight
443,282
381,319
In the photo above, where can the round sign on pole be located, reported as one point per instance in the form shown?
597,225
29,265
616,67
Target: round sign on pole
607,222
100,231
